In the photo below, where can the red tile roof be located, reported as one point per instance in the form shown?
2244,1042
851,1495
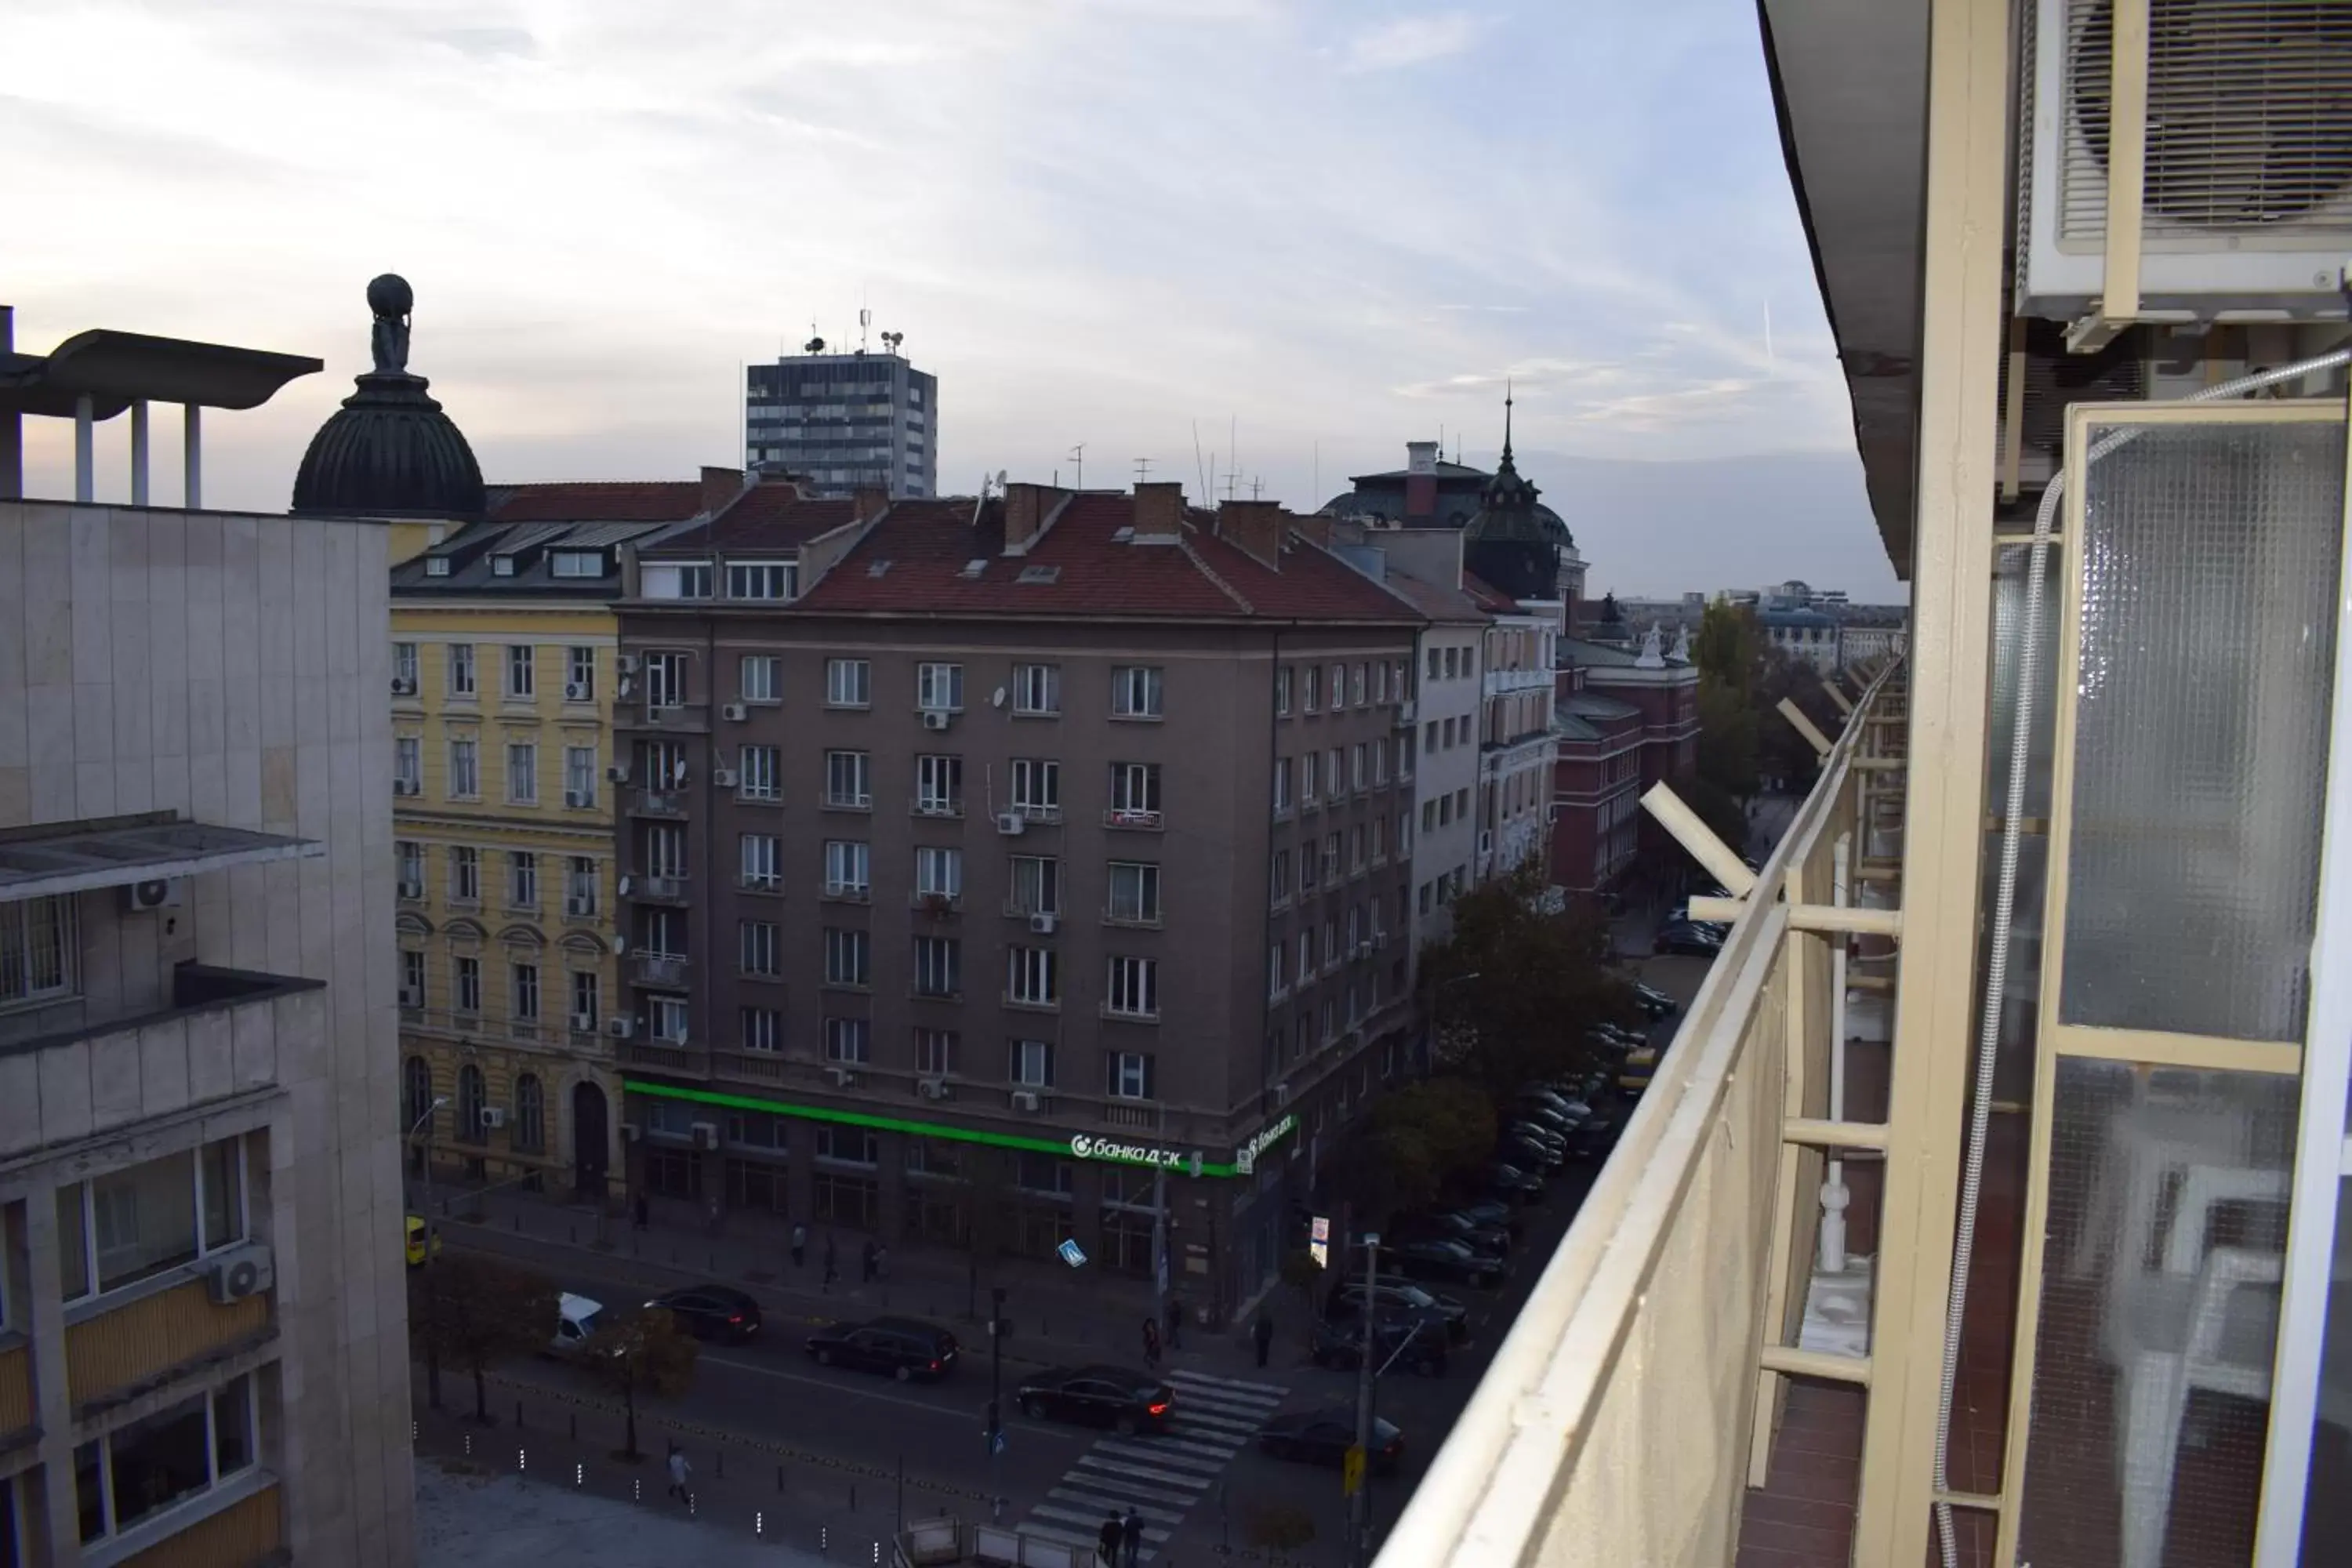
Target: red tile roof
770,516
627,500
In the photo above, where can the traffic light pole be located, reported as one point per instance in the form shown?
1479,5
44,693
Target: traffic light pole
1360,1509
996,1403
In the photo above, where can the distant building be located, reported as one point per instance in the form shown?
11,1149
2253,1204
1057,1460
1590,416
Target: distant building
842,422
1607,758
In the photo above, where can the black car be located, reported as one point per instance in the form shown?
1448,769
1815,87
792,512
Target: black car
906,1347
1401,1302
1451,1261
1341,1346
1512,1184
1492,1213
1127,1401
1562,1116
1531,1152
1451,1224
1593,1140
1324,1438
1687,940
718,1312
1654,1001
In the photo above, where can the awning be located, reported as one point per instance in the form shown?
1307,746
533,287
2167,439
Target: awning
81,857
114,369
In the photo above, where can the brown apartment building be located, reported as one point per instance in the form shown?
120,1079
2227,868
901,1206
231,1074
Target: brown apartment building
1073,827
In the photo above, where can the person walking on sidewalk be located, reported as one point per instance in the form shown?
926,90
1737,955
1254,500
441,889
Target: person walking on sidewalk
865,1263
799,1243
882,1263
1130,1534
1152,1342
1107,1542
1262,1334
679,1472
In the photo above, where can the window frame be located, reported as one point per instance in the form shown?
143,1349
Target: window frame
842,675
1028,677
938,686
1139,693
145,1527
93,1282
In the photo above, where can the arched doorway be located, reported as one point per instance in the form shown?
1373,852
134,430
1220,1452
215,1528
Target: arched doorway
591,1142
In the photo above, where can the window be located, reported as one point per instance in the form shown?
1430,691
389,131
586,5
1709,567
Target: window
1335,780
1331,856
179,1452
762,1029
412,978
1432,664
756,774
1362,682
464,874
1277,969
575,563
1338,687
1135,987
1281,786
1037,885
847,957
1311,675
1135,788
522,879
758,949
529,1115
762,580
1310,770
938,687
1127,1075
664,680
1306,865
522,773
848,781
1035,977
677,580
661,764
580,886
1381,681
1379,750
758,677
761,864
407,765
664,851
1135,892
1037,786
131,1224
461,669
939,872
580,777
1359,772
935,1052
1429,738
846,1040
938,785
416,1092
1281,689
939,966
585,1000
403,669
408,857
580,674
849,683
1279,893
1036,689
1307,955
465,770
665,1016
1379,837
1135,691
522,671
1032,1064
524,983
1428,896
468,972
848,867
1355,850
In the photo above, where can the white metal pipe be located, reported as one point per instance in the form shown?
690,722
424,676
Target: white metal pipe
139,452
84,449
191,424
1835,1197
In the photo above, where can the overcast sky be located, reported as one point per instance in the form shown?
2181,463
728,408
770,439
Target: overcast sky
1327,225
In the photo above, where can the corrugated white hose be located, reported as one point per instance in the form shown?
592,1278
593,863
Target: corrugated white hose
2037,570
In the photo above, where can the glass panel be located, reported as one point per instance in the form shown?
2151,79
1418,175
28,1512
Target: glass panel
2327,1502
2159,1310
2201,751
73,1243
223,1194
233,1425
159,1460
89,1490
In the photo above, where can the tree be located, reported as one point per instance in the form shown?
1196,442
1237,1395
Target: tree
1513,988
476,1311
1400,1157
641,1349
1729,653
988,1199
1715,807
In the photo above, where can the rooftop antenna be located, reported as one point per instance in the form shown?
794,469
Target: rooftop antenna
1079,455
1257,488
1142,470
1198,472
864,319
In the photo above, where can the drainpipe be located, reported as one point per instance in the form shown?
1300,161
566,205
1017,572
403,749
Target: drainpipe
1835,1197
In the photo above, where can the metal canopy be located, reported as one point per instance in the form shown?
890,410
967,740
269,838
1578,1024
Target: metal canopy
81,857
114,369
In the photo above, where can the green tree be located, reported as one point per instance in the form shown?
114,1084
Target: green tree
988,1201
645,1350
1717,807
476,1312
1729,653
1400,1157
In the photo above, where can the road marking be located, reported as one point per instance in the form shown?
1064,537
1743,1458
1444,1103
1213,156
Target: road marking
1217,1425
1126,1497
1211,1461
1257,1391
1090,1461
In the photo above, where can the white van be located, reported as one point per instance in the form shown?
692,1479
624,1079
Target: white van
576,1319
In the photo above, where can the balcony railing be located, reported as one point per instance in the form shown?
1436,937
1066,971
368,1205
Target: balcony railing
1619,1411
657,969
662,802
676,716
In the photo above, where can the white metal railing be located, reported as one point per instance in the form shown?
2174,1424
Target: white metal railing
1614,1422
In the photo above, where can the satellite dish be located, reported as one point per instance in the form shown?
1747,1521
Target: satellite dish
1000,478
996,699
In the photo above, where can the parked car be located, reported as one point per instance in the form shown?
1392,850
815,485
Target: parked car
1490,1212
1561,1113
415,1241
1687,940
1452,1262
577,1318
1593,1140
1341,1346
712,1313
1400,1301
1654,1001
906,1347
1512,1184
1127,1401
1447,1225
1324,1438
1534,1148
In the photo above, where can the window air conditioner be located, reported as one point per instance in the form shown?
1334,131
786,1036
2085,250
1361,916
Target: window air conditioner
406,786
617,773
624,884
404,686
2246,194
241,1271
1024,1099
843,1077
723,777
159,893
583,1023
937,718
1044,924
631,1131
932,1088
1012,823
579,799
736,712
494,1116
627,664
577,691
706,1135
621,1028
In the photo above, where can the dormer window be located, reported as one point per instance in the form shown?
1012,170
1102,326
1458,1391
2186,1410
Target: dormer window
575,563
766,580
438,566
502,566
678,580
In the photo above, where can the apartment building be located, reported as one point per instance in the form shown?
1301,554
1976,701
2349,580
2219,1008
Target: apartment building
203,1322
503,643
1075,825
1628,719
844,421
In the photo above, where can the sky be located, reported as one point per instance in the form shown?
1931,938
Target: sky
1280,236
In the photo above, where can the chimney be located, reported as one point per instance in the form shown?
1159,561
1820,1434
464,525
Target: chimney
1256,528
1314,526
719,487
1420,478
868,502
1024,510
1159,507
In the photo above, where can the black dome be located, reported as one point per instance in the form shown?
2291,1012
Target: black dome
390,451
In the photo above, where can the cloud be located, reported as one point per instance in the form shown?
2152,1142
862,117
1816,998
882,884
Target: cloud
1410,41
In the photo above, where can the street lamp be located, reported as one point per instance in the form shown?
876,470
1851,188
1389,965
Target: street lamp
432,1354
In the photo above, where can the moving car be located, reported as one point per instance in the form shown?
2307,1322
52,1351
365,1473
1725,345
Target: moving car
415,1242
718,1312
1401,1302
1127,1401
577,1318
1451,1261
1324,1438
1688,940
906,1347
1341,1346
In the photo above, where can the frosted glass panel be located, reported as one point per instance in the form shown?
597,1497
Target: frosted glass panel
2200,748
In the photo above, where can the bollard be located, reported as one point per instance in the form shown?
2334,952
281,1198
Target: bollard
522,1461
877,1551
759,1522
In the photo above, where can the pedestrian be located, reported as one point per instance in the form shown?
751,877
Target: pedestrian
831,1262
1151,1342
1262,1334
1130,1531
678,1471
1107,1542
866,1262
799,1243
641,1211
882,1263
1175,1324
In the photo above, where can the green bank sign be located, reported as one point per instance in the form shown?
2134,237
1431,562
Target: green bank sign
1081,1146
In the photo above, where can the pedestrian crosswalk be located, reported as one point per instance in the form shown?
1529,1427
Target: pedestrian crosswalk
1160,1475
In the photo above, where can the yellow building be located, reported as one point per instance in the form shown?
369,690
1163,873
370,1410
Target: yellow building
503,676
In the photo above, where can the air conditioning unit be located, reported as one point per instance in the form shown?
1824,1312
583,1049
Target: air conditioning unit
1044,924
578,692
246,1269
2246,199
621,1028
1282,1092
723,777
1012,823
937,718
580,907
410,998
583,1023
404,686
406,786
579,799
706,1135
1024,1099
617,773
160,893
1405,712
843,1077
627,664
631,1131
494,1116
735,712
932,1088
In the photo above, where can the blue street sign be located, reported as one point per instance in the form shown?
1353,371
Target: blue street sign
997,1444
1072,1253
